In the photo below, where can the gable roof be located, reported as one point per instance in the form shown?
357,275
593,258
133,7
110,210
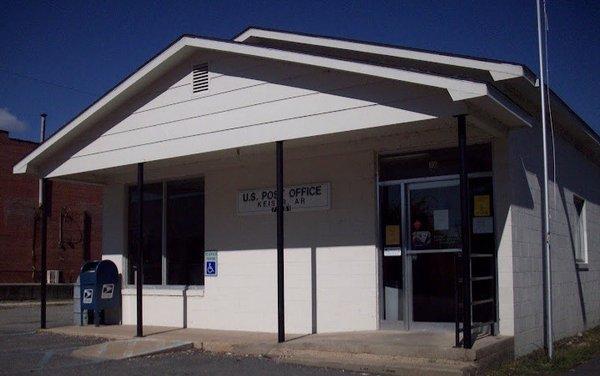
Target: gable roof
458,89
508,77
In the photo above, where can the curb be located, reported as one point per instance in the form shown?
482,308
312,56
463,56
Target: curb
15,304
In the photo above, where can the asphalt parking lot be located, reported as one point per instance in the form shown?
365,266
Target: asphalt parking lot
24,351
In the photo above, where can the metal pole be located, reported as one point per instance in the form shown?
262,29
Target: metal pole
43,231
456,303
546,221
140,246
42,139
43,237
465,230
280,286
43,127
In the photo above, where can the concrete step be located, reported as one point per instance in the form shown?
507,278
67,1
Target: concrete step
385,344
378,364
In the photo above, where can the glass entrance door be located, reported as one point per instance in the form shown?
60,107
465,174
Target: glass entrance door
434,226
420,236
420,226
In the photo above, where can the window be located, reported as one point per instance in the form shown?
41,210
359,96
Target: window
185,233
152,233
434,215
580,235
173,233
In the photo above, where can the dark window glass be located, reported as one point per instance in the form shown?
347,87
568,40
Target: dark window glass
434,163
434,287
391,235
185,232
391,213
435,215
152,232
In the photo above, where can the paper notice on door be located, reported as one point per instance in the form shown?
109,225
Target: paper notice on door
392,235
440,220
483,225
481,206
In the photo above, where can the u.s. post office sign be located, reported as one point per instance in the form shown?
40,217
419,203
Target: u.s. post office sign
312,196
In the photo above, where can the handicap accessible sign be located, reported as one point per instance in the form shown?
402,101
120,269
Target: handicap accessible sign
211,263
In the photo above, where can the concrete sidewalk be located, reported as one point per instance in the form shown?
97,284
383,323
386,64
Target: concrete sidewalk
382,352
129,348
6,304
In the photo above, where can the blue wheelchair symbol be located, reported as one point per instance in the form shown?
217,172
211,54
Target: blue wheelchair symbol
211,268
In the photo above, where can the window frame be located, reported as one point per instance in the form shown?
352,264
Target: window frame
164,257
581,248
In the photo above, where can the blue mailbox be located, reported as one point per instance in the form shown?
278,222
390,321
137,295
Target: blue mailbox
99,287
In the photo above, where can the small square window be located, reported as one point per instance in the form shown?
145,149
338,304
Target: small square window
580,235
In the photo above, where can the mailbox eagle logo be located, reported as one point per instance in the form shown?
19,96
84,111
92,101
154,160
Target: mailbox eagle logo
107,291
88,294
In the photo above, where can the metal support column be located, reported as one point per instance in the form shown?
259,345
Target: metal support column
43,238
140,246
280,286
465,231
43,232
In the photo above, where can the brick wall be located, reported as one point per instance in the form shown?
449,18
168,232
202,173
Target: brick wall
18,203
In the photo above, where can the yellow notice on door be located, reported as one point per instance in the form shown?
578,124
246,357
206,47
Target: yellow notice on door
481,206
392,235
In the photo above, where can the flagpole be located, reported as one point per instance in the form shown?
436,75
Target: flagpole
546,222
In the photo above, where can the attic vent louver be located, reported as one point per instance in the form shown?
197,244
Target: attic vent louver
200,78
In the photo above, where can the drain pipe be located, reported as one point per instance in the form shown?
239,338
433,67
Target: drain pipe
546,221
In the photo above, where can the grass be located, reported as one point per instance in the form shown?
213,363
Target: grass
568,353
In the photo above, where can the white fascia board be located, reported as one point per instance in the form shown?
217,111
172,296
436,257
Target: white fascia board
498,70
462,89
511,107
22,166
457,89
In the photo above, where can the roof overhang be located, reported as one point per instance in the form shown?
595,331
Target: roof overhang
498,70
458,89
513,78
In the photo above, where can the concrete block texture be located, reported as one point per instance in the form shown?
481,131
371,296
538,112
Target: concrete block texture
330,255
331,273
575,304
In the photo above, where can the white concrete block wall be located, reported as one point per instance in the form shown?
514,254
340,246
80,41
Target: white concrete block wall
527,240
342,239
114,224
575,286
504,239
244,294
331,272
161,307
347,289
575,296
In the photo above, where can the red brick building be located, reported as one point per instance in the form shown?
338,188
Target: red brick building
74,225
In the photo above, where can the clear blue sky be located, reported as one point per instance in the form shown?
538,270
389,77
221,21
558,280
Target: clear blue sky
92,45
